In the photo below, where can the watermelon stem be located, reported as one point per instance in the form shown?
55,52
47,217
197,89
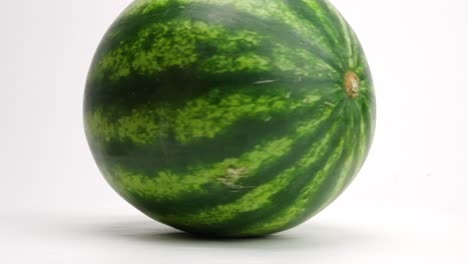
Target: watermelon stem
351,84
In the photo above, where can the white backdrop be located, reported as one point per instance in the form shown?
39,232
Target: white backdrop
408,204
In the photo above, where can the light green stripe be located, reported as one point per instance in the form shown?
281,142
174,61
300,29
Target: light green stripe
356,52
364,134
167,185
277,10
267,10
346,170
359,153
298,207
365,86
351,54
261,194
179,49
326,22
203,117
173,44
140,127
343,178
362,67
142,7
302,63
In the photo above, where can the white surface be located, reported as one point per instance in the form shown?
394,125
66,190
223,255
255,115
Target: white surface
390,236
408,205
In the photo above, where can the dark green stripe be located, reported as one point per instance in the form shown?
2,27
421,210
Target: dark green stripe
359,156
368,119
283,198
365,73
278,31
342,29
364,138
169,154
203,201
333,17
334,39
161,87
174,156
323,197
125,27
314,202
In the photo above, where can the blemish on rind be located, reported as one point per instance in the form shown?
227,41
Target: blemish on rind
265,81
232,175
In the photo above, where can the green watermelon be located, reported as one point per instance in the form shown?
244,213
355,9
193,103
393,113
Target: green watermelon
229,118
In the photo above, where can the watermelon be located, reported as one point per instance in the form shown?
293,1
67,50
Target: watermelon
229,118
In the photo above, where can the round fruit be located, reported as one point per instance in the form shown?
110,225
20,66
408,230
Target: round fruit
229,118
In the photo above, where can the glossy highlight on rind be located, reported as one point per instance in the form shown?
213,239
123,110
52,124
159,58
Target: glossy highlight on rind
231,118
